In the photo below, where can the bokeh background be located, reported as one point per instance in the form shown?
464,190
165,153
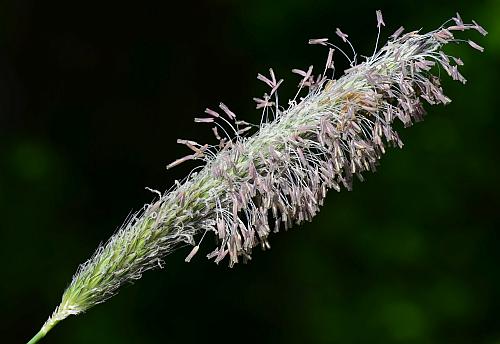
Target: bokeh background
93,96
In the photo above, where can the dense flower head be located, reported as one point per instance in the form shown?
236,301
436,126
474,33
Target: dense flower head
333,131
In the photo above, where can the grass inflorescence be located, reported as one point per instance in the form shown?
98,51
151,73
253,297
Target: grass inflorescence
278,176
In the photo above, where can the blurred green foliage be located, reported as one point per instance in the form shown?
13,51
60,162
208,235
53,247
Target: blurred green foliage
92,99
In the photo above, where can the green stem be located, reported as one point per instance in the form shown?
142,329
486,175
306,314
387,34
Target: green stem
43,331
37,337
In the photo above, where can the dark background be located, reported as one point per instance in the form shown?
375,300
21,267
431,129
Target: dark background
93,96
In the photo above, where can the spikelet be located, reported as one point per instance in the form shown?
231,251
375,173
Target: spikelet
279,176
